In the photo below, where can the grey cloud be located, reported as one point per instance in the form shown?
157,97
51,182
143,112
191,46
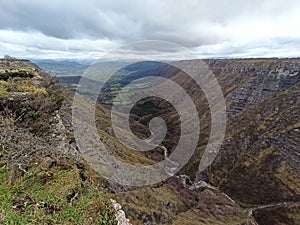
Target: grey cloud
193,23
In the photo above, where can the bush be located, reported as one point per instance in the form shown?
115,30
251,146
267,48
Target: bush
29,112
57,98
24,74
33,114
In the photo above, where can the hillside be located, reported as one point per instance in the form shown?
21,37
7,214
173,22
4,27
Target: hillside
254,179
258,165
43,179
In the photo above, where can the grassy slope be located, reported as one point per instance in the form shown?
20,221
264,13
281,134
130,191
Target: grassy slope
55,196
39,184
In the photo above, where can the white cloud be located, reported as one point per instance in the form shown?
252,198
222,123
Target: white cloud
227,28
37,45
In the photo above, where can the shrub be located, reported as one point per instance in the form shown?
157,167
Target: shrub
33,114
29,112
5,76
57,98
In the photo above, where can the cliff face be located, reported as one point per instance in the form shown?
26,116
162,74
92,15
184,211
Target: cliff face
258,165
259,160
254,81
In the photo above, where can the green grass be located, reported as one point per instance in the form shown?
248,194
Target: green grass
3,88
40,197
27,86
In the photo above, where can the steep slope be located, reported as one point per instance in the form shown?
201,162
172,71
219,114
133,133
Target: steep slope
259,161
258,165
43,179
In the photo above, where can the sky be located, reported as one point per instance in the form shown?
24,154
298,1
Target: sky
83,29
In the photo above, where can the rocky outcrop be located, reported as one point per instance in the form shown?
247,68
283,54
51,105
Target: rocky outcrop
120,214
254,80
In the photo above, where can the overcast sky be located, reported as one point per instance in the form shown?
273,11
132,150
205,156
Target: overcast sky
209,28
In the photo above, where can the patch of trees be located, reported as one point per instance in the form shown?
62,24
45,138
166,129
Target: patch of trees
22,74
